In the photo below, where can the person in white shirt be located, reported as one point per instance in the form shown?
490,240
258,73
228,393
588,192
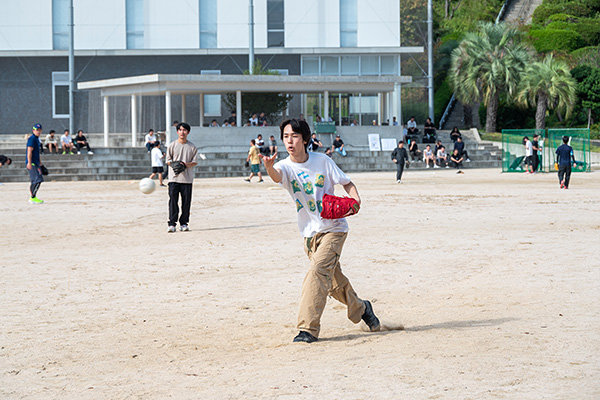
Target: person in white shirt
150,139
442,156
528,155
66,142
307,177
254,120
156,155
51,142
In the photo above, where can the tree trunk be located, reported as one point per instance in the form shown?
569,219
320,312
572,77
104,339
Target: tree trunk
491,114
446,8
540,112
559,115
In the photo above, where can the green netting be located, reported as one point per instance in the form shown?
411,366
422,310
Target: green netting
513,149
579,140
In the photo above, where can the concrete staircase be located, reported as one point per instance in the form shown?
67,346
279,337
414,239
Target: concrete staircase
123,163
521,11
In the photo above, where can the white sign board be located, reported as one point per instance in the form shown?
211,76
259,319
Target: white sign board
374,144
388,144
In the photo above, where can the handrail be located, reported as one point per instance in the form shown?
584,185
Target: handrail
452,100
448,110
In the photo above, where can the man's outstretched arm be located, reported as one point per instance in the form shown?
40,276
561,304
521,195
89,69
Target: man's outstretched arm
269,162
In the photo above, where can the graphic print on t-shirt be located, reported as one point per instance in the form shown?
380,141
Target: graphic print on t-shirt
308,188
311,205
295,186
320,206
299,205
320,180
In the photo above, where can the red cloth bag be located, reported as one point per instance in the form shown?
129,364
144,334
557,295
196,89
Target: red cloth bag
337,207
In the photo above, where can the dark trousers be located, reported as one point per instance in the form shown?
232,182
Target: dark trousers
185,190
79,146
536,161
564,173
400,169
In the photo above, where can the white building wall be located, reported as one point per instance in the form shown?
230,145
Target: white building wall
260,23
172,24
232,27
99,24
26,25
378,23
312,24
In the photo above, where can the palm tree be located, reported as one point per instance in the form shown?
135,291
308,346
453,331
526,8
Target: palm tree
487,63
549,85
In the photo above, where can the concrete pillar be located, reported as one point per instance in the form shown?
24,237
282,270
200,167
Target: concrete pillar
379,109
340,109
133,119
238,108
106,120
183,113
201,109
326,105
168,116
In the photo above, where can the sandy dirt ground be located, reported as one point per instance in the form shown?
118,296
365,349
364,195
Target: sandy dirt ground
495,277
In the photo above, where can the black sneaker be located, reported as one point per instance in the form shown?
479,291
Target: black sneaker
305,337
370,318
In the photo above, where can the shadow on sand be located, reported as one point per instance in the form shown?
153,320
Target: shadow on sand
420,328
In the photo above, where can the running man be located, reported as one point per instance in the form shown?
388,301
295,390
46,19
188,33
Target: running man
564,156
33,163
307,176
400,157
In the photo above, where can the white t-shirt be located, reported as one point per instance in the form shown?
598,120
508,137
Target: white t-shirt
156,156
307,183
150,138
411,124
50,139
66,139
528,148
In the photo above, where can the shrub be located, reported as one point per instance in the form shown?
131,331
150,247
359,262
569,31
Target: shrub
546,40
441,98
561,25
576,8
589,29
562,18
586,56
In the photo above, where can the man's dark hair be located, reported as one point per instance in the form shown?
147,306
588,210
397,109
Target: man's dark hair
157,144
81,130
52,131
176,123
184,126
565,139
66,130
8,161
298,126
252,141
151,130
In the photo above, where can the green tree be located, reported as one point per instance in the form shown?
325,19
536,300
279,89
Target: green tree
486,63
548,84
588,89
272,104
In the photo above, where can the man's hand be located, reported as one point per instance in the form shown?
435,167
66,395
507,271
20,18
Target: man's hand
394,160
268,161
28,166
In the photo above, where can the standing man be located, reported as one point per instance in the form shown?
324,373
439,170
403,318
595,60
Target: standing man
182,157
535,144
307,177
400,157
34,163
528,155
564,156
157,162
254,161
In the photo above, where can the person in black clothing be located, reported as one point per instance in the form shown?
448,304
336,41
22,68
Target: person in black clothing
456,161
5,160
460,146
81,141
400,157
429,132
535,157
314,143
413,149
455,134
564,156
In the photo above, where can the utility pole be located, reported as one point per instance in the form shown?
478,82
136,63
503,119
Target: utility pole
71,70
430,56
251,36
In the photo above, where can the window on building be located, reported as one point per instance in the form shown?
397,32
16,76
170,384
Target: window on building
350,65
348,23
369,65
208,24
330,65
389,65
60,95
135,24
310,66
60,24
212,102
275,25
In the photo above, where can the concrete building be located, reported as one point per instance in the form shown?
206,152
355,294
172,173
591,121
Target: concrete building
124,38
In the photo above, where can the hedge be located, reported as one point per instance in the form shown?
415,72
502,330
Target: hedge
546,40
576,8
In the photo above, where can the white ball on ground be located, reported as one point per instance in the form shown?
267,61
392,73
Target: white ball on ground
147,186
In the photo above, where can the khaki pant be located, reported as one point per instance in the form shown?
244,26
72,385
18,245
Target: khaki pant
324,278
